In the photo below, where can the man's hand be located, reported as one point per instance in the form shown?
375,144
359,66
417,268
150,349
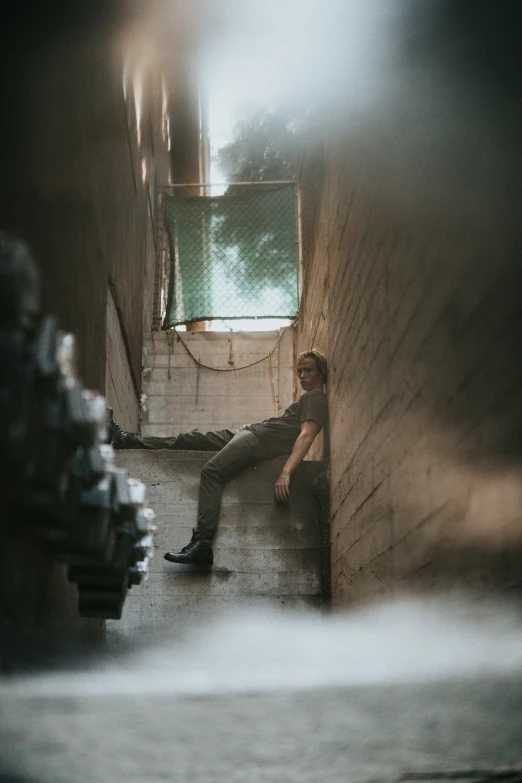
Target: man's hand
309,430
282,487
243,427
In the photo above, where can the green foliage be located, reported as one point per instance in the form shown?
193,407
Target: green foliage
266,146
234,256
260,226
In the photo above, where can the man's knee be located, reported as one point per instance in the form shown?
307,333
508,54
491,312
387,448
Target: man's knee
212,472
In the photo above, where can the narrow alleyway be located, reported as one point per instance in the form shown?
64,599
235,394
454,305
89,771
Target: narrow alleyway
407,277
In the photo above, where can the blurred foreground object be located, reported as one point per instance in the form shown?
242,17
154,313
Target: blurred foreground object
411,691
57,472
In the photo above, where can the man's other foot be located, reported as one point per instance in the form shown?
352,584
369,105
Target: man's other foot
116,436
195,553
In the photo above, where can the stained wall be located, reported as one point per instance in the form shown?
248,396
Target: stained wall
215,380
412,287
84,140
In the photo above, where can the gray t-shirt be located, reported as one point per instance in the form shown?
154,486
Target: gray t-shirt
279,434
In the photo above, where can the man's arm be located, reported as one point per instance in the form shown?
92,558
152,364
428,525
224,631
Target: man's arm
309,430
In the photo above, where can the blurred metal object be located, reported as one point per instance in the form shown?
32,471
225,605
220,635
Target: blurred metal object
57,471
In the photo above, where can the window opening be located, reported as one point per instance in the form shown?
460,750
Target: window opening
229,259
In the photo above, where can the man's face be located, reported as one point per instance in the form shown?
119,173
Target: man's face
308,374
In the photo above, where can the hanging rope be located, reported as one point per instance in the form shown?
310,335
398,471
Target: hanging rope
272,387
170,343
229,369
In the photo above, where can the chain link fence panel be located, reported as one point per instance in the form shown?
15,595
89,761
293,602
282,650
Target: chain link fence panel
230,256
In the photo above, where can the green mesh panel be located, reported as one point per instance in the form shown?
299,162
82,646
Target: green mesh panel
232,256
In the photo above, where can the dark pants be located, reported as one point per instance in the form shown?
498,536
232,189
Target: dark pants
235,451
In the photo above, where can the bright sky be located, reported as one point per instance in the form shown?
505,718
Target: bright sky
245,325
301,52
278,52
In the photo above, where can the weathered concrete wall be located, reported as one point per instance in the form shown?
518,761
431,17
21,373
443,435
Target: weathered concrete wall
412,287
266,555
79,163
119,390
181,396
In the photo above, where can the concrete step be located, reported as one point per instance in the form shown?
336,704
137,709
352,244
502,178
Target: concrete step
266,555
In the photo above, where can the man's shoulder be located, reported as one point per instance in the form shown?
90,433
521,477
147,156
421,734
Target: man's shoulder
315,395
313,401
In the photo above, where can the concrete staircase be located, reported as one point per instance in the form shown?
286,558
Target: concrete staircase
266,555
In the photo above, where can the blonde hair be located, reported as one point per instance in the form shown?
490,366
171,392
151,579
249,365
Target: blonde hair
320,361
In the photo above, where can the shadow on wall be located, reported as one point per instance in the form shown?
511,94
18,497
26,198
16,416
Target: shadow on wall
420,307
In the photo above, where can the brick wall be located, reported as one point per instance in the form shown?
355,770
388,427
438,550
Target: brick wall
412,287
180,396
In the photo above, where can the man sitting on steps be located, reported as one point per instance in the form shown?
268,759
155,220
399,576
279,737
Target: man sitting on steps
292,433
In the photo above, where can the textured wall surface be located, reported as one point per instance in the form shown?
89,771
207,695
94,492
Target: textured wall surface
412,287
181,396
119,390
79,161
77,185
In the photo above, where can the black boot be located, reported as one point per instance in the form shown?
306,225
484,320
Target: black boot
196,552
117,437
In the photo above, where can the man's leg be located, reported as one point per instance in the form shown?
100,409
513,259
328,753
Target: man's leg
186,441
243,450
